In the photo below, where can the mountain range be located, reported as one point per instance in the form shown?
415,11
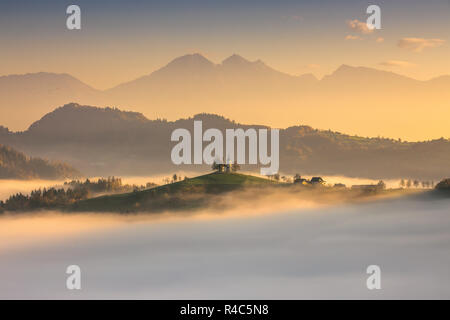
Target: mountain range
360,100
108,141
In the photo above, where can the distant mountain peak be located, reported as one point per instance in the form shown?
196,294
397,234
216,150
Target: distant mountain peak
41,77
193,56
360,73
347,69
235,59
237,63
194,59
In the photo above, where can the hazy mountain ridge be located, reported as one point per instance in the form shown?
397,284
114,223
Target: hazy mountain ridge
16,165
131,144
249,91
25,98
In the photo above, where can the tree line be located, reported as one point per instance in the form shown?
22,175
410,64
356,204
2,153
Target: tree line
75,190
409,183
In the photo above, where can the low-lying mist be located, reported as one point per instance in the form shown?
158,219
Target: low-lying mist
284,250
10,187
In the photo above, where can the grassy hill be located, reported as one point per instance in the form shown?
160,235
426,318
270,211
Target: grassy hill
190,193
216,178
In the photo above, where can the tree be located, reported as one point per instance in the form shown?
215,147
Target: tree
275,176
402,183
215,166
416,183
443,185
408,183
175,177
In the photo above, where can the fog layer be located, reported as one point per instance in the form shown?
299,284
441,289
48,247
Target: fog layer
315,252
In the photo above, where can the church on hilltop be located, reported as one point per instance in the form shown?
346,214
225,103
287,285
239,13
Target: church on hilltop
225,167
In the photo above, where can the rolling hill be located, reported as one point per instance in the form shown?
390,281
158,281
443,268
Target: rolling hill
106,141
187,194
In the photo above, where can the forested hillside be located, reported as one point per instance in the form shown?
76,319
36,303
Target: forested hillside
109,141
16,165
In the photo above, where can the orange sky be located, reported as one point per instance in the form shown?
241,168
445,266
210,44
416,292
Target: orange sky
123,41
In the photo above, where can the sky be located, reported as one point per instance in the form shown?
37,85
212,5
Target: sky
123,40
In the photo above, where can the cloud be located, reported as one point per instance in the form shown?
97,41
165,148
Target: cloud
359,26
397,63
418,44
380,39
351,37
